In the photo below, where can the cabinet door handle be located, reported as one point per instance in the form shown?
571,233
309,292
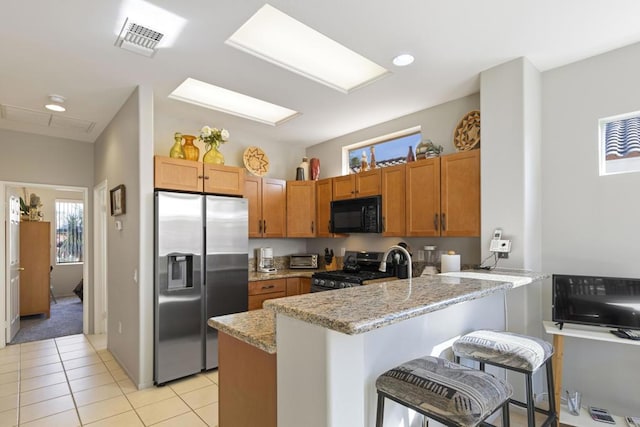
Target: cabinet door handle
329,226
200,176
260,226
206,177
444,222
269,287
264,226
435,222
312,226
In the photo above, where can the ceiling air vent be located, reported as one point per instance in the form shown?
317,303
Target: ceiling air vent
138,39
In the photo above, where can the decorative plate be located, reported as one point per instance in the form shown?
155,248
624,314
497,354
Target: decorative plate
256,161
467,133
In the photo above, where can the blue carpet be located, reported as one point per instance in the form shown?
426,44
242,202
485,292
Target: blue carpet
66,319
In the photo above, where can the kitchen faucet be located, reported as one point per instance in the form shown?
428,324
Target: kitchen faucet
383,263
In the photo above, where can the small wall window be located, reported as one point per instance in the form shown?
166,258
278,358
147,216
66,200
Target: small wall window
387,150
69,231
620,144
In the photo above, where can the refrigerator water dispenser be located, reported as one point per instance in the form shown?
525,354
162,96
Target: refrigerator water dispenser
180,271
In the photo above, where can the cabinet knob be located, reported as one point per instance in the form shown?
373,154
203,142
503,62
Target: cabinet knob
21,269
206,177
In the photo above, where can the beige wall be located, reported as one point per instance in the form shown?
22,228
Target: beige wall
116,160
438,124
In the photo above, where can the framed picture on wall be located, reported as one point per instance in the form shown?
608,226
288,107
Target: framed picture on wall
118,201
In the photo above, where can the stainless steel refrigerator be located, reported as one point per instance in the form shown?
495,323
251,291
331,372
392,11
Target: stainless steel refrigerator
201,271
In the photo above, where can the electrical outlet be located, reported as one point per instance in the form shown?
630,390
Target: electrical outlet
500,246
503,255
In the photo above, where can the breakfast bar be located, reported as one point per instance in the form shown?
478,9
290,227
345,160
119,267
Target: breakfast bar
331,346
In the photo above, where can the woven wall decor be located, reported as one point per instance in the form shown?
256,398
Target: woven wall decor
467,134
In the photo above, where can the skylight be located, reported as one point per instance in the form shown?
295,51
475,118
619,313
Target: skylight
216,98
278,38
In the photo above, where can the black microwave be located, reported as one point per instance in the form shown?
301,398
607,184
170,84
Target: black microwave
362,215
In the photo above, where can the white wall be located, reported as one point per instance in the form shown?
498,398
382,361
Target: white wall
117,161
64,277
591,223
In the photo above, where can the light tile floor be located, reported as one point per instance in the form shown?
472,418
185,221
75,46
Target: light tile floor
74,381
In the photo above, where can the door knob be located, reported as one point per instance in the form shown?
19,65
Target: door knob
20,268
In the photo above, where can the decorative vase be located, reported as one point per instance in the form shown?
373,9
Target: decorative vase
191,152
372,162
213,156
314,168
305,166
410,156
177,152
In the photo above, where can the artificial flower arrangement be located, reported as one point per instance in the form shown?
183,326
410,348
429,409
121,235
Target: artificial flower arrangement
213,136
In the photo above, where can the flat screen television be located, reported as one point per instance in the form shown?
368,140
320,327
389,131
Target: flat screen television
599,301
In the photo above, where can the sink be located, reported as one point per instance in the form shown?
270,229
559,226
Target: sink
516,280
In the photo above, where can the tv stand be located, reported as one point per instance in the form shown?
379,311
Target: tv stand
596,333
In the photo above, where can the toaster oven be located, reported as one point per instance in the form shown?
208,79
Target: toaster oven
303,261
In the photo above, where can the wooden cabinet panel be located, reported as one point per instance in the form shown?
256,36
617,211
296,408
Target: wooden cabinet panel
253,193
274,207
267,286
293,286
267,206
305,285
255,301
187,175
35,260
344,187
368,183
423,197
221,179
177,174
361,184
301,209
460,188
393,200
324,195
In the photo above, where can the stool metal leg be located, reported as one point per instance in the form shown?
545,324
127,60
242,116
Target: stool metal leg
425,421
531,407
380,411
505,414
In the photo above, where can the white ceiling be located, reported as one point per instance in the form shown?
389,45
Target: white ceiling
67,47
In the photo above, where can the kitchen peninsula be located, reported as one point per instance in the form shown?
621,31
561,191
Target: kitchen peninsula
331,346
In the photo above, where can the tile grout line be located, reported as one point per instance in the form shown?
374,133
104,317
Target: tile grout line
64,369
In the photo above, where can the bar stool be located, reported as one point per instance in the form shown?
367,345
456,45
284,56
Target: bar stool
439,389
519,353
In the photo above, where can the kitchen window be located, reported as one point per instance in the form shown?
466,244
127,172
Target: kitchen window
388,150
69,231
620,144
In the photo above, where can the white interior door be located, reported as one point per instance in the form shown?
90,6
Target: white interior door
13,264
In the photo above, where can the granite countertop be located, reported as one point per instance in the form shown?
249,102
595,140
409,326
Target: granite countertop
254,276
365,308
256,327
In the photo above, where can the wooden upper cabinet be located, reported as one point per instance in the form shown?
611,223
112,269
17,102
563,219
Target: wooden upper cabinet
187,175
362,184
393,200
324,195
253,193
177,174
274,207
423,197
267,206
301,209
460,192
221,179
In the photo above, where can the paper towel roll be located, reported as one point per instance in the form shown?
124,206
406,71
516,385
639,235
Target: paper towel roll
450,263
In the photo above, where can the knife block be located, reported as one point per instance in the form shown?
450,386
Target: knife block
333,265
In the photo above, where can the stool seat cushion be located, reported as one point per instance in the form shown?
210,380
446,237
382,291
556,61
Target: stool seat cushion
463,395
504,348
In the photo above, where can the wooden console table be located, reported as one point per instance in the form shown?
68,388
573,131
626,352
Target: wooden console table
591,333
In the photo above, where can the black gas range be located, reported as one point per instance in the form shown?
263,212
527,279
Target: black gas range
358,268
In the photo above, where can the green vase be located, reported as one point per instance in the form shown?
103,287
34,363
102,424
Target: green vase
213,156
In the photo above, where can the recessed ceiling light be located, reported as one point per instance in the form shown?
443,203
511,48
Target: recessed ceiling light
403,60
216,98
278,38
55,103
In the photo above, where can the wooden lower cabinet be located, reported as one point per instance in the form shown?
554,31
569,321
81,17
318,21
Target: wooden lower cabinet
262,290
35,260
298,285
247,384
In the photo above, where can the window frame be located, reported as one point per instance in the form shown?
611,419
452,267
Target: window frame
56,227
346,170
